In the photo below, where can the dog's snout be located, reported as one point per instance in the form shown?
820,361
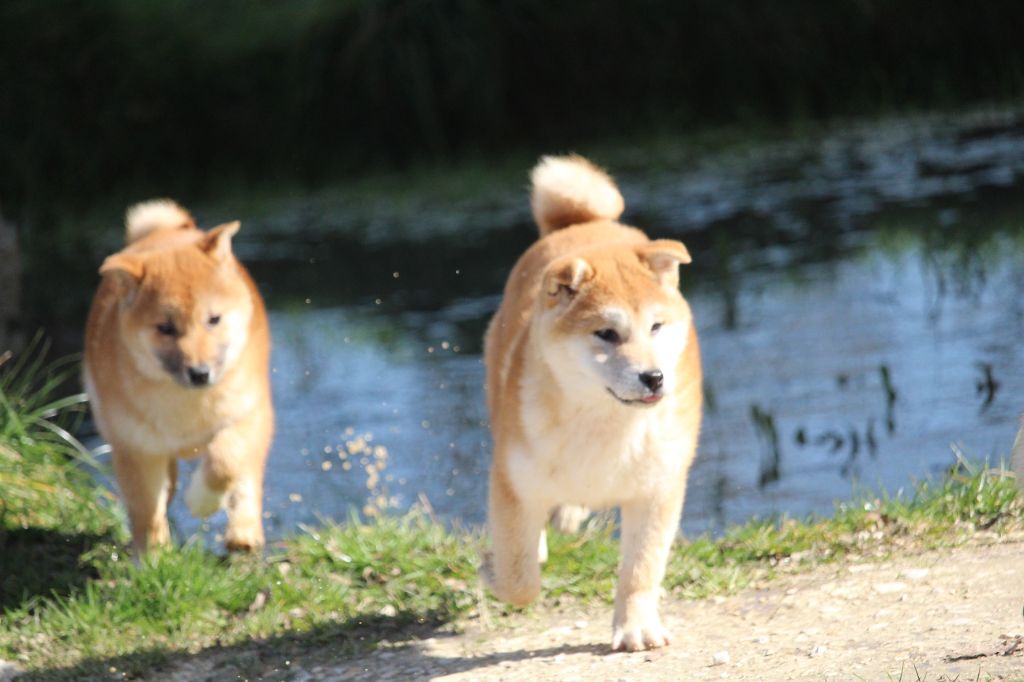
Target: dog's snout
199,375
652,379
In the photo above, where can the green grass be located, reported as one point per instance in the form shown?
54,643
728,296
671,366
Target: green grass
88,610
50,509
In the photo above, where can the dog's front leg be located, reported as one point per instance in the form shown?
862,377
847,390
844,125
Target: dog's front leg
147,484
231,474
648,527
512,569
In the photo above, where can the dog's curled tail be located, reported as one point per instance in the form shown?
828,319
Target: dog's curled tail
568,190
157,214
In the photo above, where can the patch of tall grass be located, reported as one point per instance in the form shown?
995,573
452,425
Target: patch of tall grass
45,481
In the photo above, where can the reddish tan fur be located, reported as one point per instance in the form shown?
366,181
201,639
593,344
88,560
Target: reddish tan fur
559,438
139,383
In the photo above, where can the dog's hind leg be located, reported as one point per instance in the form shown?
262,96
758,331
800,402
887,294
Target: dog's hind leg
172,478
569,517
566,518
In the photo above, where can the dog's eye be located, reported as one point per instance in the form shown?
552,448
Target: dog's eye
607,335
655,327
214,319
167,329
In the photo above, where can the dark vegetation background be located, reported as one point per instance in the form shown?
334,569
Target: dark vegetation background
178,96
124,99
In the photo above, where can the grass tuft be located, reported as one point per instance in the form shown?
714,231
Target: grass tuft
51,510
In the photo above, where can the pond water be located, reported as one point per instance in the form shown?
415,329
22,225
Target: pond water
859,296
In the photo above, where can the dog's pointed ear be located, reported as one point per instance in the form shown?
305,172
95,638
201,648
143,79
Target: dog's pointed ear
125,269
217,242
564,277
663,257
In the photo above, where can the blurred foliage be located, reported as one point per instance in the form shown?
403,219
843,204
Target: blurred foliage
144,96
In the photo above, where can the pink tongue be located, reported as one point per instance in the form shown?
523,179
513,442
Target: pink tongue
652,399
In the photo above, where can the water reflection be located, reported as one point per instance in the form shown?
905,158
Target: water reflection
859,302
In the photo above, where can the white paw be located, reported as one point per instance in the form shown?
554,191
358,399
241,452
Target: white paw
637,636
201,500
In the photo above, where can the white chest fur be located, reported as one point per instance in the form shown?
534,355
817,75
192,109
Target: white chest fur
168,419
595,452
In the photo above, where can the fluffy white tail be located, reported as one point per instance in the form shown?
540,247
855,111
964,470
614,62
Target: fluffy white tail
158,214
568,190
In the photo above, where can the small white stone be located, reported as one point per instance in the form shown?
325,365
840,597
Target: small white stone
916,573
8,671
560,631
890,588
721,658
581,624
819,650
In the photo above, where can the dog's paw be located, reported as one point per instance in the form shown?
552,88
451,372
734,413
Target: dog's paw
637,636
200,499
243,539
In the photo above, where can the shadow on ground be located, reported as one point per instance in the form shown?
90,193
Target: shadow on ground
39,563
340,651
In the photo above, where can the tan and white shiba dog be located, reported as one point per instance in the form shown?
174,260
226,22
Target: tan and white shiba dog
176,365
594,391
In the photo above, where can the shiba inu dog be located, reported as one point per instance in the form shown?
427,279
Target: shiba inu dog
177,366
594,392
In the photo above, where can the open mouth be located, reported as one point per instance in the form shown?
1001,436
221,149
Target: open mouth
646,401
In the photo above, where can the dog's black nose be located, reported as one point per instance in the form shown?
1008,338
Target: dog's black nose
199,375
652,379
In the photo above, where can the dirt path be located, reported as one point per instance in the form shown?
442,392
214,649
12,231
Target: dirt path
946,615
938,615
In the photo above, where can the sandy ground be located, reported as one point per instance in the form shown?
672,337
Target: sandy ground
954,614
946,615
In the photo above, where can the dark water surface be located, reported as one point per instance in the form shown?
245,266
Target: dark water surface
859,296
